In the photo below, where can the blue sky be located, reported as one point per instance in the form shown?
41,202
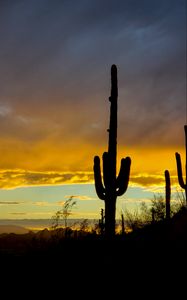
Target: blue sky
42,202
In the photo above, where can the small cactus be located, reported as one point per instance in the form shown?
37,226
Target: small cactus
112,186
153,215
101,222
179,166
122,224
168,194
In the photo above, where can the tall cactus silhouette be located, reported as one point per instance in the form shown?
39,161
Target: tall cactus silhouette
168,193
111,186
179,166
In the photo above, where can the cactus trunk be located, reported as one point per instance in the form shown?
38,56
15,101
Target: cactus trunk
112,186
110,210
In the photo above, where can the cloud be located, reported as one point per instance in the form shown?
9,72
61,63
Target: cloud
148,180
20,178
80,197
55,67
84,198
17,213
89,214
43,203
40,213
9,202
5,110
55,60
12,179
136,201
61,202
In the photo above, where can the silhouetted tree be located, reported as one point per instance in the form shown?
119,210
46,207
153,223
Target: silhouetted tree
154,212
158,206
152,215
67,209
133,220
84,225
63,213
113,186
180,197
179,166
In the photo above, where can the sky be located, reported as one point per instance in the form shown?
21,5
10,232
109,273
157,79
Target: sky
55,60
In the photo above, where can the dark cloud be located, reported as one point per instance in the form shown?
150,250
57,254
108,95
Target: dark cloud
55,59
9,202
18,213
12,179
148,180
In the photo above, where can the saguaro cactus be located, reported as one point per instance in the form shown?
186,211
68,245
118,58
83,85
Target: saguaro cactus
168,194
179,166
113,186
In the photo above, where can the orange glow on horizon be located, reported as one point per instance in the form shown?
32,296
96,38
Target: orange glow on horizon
51,165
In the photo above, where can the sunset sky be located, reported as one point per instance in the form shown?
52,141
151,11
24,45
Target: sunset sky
55,59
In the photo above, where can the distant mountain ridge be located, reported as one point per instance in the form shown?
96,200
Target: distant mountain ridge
13,229
39,224
35,224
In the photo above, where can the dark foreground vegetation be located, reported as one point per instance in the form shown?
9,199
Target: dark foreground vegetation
70,248
69,263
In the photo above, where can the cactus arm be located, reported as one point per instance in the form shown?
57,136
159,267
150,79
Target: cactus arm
179,171
123,177
97,177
